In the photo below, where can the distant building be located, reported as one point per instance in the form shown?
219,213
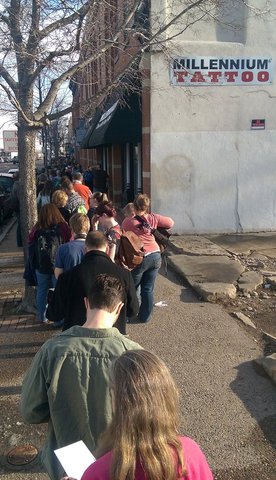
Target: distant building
204,143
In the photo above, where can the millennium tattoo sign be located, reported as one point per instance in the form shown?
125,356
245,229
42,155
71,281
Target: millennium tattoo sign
211,71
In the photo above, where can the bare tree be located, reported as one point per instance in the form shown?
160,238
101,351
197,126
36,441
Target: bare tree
59,39
57,136
57,131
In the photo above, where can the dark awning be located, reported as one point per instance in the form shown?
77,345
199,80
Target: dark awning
116,124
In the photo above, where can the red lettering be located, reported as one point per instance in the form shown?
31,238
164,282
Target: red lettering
263,76
247,76
231,76
214,76
198,77
180,76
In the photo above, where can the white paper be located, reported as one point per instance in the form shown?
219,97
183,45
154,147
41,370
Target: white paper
161,304
75,459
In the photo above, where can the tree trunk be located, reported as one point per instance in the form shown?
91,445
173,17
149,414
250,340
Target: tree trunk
28,207
27,182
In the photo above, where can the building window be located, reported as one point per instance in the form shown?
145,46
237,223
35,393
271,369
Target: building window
231,21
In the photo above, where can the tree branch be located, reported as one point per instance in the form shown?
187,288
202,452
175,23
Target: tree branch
14,26
174,20
18,107
58,53
63,22
61,113
4,19
8,78
34,28
47,61
55,84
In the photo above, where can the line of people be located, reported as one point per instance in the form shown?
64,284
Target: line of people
92,383
72,243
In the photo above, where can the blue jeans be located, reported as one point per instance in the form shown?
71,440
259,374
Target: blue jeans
144,277
44,282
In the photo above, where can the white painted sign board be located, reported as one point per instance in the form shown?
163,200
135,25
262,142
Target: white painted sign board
10,140
212,71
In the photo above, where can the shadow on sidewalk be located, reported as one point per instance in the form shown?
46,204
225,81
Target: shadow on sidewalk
187,294
258,395
11,390
10,356
9,346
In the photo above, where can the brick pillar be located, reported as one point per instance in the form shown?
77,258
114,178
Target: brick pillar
116,173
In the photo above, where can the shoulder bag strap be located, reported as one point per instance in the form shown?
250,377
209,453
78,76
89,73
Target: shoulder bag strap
144,223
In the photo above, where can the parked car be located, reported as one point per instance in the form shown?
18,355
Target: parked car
6,183
13,170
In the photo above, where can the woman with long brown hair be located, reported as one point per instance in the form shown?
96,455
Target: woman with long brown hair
50,231
143,441
45,194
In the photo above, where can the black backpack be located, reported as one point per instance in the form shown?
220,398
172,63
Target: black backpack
47,243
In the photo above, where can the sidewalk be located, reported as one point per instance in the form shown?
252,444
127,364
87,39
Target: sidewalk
11,281
20,338
225,405
239,271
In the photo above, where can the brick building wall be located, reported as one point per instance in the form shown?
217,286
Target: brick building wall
92,87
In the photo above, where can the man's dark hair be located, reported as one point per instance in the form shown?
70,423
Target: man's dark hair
95,241
77,176
105,293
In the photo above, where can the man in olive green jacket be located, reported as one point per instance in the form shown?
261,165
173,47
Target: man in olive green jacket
67,384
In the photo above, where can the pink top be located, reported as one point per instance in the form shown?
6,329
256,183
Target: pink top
196,463
154,220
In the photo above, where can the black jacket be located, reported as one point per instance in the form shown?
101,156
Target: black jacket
72,286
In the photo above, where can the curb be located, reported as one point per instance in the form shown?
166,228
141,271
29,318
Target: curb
7,228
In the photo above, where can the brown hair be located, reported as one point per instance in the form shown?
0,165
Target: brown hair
105,293
79,223
59,198
141,203
66,184
49,215
95,241
105,208
42,178
100,197
145,421
48,188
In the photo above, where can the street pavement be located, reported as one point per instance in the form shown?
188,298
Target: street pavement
228,408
